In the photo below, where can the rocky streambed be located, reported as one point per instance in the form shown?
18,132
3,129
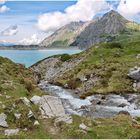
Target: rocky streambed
98,106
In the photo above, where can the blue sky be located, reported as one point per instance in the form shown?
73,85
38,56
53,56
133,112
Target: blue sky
25,18
24,14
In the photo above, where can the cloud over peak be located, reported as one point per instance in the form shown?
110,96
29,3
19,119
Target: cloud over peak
83,10
129,8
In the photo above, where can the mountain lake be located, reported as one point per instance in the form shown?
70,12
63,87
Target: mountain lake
30,57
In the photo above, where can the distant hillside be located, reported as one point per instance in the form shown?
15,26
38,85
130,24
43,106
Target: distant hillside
65,35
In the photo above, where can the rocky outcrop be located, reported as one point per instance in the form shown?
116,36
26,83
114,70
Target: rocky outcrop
54,67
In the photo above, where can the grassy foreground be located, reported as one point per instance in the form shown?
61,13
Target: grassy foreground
118,127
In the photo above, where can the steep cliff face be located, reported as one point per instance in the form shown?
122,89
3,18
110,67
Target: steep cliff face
111,23
65,35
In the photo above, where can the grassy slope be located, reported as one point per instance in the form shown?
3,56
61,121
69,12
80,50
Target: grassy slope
15,82
109,63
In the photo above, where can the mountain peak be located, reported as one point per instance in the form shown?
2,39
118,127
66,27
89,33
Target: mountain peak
110,24
113,14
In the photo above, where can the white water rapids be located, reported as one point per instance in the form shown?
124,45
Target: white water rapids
94,105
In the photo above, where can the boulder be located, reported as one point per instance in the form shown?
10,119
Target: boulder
51,106
135,73
35,99
3,118
11,132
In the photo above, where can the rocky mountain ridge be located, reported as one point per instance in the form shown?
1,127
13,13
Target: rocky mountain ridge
86,34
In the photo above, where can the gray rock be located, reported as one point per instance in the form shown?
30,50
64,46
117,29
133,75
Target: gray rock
83,79
51,106
30,114
122,105
138,56
134,73
138,85
35,99
11,132
66,119
3,118
25,101
134,85
84,127
17,115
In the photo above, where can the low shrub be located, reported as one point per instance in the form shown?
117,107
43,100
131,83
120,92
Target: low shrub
65,57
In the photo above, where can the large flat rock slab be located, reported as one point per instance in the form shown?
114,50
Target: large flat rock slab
51,106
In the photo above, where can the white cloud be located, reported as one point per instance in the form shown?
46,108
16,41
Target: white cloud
33,40
129,8
10,31
4,9
83,10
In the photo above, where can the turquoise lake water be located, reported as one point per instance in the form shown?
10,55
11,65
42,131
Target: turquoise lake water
29,57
